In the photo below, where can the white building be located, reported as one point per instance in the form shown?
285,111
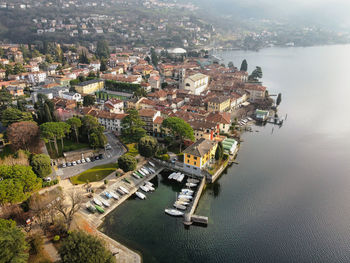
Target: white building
256,92
114,106
111,121
196,83
37,77
71,96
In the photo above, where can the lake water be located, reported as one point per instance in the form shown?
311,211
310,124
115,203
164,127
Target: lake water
289,198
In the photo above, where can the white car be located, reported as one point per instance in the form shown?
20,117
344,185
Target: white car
83,160
78,162
88,160
47,179
74,163
64,165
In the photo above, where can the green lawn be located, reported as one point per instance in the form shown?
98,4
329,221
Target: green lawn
94,174
68,146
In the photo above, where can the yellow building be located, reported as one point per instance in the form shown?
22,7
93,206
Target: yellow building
89,87
220,104
198,155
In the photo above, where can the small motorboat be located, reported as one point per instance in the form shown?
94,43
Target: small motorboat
140,195
182,203
106,203
180,178
144,188
186,193
185,196
108,195
152,164
136,176
193,181
97,201
145,171
173,212
91,209
178,206
115,196
99,209
141,172
191,185
184,190
124,189
171,176
120,191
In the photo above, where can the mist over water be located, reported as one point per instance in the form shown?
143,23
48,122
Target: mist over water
288,200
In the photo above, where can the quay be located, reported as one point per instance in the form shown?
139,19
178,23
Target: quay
189,217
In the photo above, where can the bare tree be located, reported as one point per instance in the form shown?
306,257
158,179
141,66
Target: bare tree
68,207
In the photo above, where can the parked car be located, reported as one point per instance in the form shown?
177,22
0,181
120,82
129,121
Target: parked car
74,163
97,158
69,164
47,179
64,165
78,162
87,159
83,160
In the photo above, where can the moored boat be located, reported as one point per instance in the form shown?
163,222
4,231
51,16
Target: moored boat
173,212
106,203
145,189
115,196
124,189
178,206
97,201
99,209
140,195
91,208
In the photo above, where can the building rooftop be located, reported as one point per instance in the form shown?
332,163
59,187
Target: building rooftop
200,147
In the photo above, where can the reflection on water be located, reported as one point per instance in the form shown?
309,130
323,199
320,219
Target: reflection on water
288,199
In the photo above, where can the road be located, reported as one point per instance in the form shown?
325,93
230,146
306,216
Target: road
110,156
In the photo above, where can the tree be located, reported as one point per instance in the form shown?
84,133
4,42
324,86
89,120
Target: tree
256,74
230,64
179,128
132,125
279,99
23,135
75,124
89,100
154,57
12,115
103,66
80,247
18,182
49,133
148,146
41,165
12,243
244,65
102,49
127,162
68,209
83,59
5,97
219,153
62,130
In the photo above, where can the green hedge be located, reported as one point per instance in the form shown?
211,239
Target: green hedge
121,86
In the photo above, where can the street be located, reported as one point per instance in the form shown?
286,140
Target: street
110,156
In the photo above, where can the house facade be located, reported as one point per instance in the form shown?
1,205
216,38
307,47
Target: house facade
196,83
90,87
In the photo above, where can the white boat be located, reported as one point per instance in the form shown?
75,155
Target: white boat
173,212
176,176
178,206
194,181
106,203
171,176
191,184
145,171
150,184
187,190
140,195
97,201
135,175
140,171
180,178
250,119
145,189
186,193
152,164
148,169
186,196
124,189
182,203
151,169
115,196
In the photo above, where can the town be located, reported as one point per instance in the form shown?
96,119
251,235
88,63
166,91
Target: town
83,127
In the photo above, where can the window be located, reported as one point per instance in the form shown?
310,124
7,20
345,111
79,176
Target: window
188,161
195,158
195,163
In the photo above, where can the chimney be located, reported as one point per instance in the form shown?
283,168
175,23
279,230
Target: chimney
211,135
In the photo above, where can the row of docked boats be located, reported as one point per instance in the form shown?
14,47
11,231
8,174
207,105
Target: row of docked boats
146,187
176,176
99,203
244,121
144,171
184,198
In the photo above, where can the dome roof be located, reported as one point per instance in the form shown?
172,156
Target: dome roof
177,51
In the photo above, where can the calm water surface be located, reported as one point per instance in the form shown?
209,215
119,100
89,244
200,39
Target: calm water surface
289,198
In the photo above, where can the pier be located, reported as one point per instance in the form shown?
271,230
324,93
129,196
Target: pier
190,217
